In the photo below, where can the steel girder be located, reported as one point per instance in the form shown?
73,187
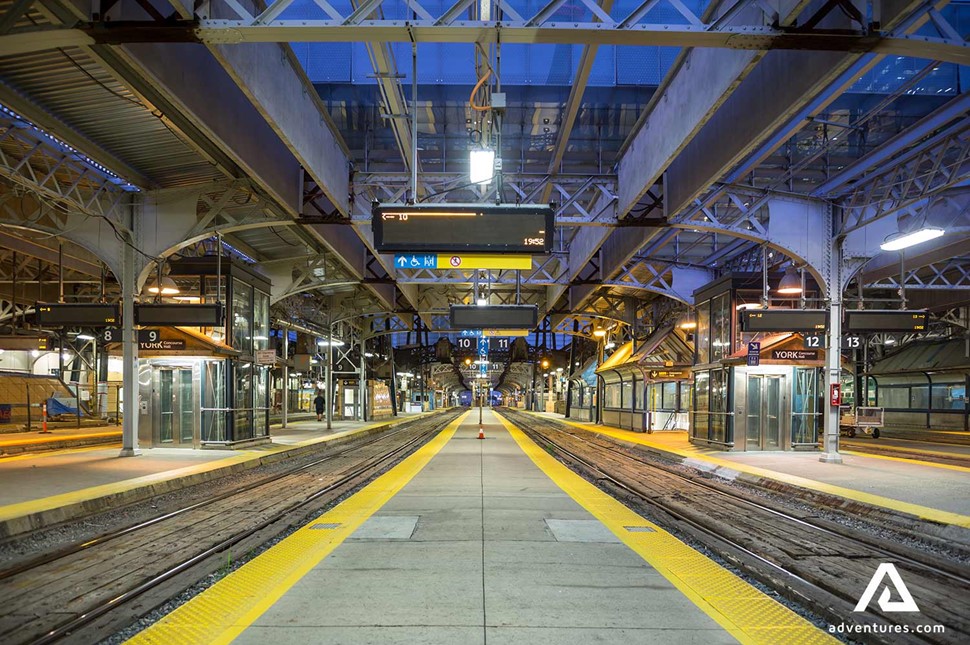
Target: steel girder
757,32
949,274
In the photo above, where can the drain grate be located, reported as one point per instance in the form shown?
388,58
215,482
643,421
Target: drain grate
324,525
640,529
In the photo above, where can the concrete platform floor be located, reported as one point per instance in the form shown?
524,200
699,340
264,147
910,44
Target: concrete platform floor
30,477
481,546
934,486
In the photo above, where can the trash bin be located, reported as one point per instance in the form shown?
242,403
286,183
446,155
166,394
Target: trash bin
5,412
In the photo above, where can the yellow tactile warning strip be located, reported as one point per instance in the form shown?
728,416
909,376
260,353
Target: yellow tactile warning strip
31,507
55,438
58,453
746,613
225,610
922,512
906,460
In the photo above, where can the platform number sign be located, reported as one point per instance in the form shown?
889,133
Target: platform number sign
814,341
850,341
148,336
467,344
110,335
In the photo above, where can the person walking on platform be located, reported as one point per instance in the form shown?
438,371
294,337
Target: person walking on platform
318,403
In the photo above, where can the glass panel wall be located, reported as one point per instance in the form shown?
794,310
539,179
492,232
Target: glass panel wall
242,317
261,401
260,320
611,395
703,333
214,401
669,396
720,327
804,424
243,402
702,401
720,429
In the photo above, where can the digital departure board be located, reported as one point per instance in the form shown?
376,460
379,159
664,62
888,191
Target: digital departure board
76,315
494,316
173,315
806,320
875,321
457,228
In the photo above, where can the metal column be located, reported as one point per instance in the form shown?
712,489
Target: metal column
833,352
286,375
362,381
129,368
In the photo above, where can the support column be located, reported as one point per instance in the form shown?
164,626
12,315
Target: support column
286,375
362,381
129,368
833,352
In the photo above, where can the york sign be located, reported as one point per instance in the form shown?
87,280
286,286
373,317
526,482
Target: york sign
794,354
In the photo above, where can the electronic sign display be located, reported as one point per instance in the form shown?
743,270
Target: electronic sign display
463,228
876,321
805,320
494,316
172,315
76,315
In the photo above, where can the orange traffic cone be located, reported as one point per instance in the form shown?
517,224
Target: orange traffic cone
481,432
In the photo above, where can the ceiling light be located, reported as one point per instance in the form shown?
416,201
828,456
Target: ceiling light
599,332
790,283
482,301
688,324
905,240
748,305
169,288
335,343
481,166
35,353
85,337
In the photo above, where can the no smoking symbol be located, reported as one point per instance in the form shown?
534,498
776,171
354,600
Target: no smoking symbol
455,261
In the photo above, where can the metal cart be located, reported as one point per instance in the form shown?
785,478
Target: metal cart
865,420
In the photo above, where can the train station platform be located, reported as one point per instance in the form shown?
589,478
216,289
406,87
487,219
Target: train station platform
932,491
470,541
49,487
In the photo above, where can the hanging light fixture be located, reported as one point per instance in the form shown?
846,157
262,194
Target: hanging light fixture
790,283
165,287
481,166
901,241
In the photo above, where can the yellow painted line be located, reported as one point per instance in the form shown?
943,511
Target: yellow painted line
878,443
55,438
905,460
56,453
225,610
20,509
746,613
922,512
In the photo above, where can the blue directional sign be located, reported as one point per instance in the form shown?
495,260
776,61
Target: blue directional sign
416,261
483,356
754,354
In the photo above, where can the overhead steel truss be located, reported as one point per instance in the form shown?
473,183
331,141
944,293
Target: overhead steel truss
935,165
228,22
953,273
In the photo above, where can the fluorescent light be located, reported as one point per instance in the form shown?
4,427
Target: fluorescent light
688,324
902,241
482,301
85,337
481,166
368,355
747,305
408,374
336,343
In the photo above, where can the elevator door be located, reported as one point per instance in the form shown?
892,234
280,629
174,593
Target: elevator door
764,412
176,413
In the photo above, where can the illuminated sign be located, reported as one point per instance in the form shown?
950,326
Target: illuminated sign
494,316
172,315
779,320
419,229
794,354
890,320
444,261
23,343
76,315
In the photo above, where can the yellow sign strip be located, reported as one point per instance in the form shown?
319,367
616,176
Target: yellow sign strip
225,610
745,612
484,261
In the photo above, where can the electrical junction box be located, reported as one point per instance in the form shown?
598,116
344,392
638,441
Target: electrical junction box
498,100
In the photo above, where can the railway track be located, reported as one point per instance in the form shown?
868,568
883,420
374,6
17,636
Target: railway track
86,591
817,563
